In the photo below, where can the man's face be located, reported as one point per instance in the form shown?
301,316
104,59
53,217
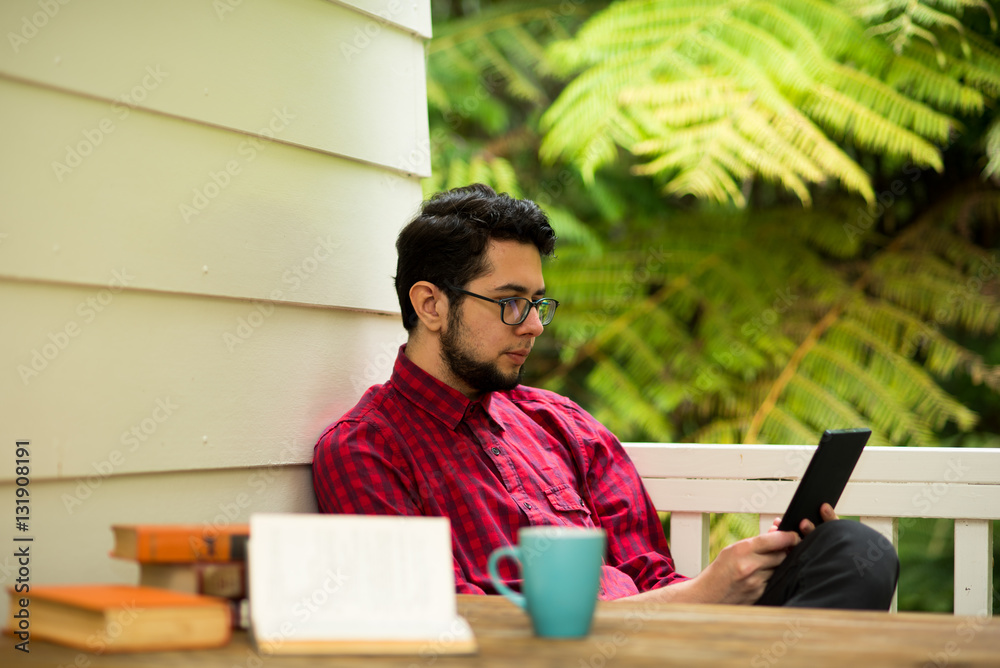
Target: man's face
480,352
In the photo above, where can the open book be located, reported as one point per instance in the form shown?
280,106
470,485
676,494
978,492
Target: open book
354,584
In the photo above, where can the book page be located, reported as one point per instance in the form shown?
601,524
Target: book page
328,577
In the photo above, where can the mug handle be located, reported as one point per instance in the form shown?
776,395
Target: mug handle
512,552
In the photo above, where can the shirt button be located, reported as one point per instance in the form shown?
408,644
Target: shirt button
495,451
528,506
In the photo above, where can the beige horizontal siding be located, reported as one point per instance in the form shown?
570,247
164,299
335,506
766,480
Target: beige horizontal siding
355,84
116,381
196,252
189,208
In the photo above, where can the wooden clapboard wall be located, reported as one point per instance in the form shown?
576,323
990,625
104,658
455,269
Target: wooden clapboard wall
199,204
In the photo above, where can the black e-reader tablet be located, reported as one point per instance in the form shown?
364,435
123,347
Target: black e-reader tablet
826,476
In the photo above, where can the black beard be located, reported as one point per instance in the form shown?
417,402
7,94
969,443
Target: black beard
480,376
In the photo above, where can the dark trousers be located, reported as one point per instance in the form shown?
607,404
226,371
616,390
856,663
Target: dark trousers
841,564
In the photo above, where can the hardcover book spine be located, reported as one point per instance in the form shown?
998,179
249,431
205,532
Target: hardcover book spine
166,547
211,578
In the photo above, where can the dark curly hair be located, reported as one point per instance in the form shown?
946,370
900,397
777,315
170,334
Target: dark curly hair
447,241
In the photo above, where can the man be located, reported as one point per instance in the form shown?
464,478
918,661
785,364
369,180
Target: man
454,434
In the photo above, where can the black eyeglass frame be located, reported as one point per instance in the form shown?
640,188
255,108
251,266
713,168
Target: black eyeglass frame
506,300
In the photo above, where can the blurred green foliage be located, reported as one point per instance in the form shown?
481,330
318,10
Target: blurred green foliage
775,216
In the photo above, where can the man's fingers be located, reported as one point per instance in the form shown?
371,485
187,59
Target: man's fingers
776,541
769,562
828,514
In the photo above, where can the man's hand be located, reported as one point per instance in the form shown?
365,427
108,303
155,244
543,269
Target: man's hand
825,511
741,571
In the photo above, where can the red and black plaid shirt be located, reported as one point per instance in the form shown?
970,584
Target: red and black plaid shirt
415,446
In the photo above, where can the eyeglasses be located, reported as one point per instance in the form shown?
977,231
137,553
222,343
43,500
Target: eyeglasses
514,310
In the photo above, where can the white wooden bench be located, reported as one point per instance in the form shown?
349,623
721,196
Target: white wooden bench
691,481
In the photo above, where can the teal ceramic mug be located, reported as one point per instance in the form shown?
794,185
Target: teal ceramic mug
560,576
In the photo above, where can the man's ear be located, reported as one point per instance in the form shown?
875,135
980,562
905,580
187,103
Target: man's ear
431,305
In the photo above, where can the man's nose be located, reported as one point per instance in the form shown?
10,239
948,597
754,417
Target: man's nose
532,324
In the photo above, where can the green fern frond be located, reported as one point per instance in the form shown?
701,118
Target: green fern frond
645,70
819,408
932,85
868,129
493,171
982,68
782,427
666,94
956,250
833,236
707,179
743,143
572,231
722,431
584,126
680,101
903,376
992,146
626,411
950,67
899,21
523,47
890,105
637,357
930,287
476,65
911,336
838,372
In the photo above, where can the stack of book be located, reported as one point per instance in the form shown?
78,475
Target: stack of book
190,558
192,593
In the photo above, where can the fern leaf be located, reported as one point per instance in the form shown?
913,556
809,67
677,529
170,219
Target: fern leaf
820,408
781,427
642,93
992,146
835,370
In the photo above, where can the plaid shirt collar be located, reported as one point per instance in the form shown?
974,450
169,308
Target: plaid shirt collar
429,394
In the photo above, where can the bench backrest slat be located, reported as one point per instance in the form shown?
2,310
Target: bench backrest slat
963,484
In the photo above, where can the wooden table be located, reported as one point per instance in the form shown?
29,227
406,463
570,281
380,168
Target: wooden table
629,634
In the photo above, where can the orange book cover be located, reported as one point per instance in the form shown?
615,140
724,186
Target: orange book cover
180,543
122,618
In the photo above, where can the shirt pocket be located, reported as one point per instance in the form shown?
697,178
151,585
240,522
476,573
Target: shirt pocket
568,505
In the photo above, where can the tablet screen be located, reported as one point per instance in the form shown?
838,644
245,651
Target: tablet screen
828,472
